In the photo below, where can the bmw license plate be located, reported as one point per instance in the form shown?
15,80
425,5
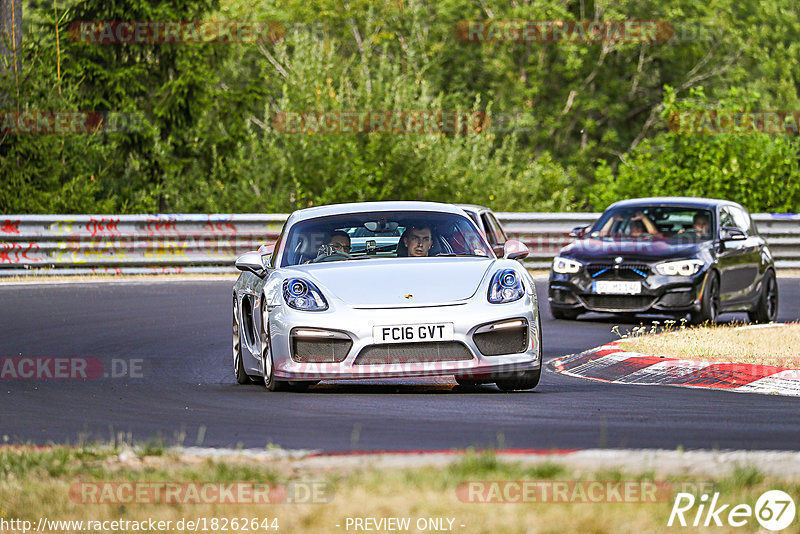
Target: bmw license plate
412,333
617,287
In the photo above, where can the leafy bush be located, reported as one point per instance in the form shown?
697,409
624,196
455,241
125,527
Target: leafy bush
758,170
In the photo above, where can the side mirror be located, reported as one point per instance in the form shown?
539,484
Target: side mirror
515,250
252,262
499,249
579,231
729,233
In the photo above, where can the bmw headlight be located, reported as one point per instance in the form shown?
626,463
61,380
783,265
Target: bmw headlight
505,287
303,295
679,268
566,265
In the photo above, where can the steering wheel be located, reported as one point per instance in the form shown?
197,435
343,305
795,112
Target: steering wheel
329,253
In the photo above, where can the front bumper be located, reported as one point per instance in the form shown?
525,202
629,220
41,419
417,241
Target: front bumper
357,323
659,293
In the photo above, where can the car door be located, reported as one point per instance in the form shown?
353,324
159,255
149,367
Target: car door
732,258
751,251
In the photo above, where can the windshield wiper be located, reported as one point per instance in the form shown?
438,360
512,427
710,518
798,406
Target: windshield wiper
453,254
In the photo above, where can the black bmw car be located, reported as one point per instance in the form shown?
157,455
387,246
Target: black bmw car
672,256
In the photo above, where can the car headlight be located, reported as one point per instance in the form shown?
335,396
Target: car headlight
505,287
679,268
566,265
303,295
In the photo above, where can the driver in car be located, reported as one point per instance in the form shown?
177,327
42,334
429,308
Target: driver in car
418,240
700,225
337,243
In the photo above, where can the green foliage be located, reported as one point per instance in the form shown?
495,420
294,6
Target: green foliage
758,170
589,124
280,171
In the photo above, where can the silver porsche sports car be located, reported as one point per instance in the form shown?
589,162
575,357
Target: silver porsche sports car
385,290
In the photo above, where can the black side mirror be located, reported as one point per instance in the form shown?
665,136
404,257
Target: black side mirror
729,233
579,231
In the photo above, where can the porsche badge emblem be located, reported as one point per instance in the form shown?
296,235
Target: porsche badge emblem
409,296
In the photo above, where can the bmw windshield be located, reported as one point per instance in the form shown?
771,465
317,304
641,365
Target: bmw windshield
673,223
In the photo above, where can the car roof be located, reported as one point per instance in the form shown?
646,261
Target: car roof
356,207
473,207
694,202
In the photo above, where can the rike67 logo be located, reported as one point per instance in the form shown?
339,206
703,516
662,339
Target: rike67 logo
774,510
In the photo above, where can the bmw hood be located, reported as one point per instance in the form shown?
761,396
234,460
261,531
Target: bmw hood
645,250
398,282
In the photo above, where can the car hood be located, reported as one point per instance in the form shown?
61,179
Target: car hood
398,282
646,250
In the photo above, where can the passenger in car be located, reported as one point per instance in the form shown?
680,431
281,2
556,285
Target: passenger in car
640,224
643,225
416,242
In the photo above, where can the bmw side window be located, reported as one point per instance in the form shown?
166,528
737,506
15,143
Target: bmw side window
741,220
726,219
497,229
490,235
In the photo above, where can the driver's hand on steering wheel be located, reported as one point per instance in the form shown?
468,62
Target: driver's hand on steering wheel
330,249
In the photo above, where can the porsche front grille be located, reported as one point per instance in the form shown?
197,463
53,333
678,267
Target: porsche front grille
402,353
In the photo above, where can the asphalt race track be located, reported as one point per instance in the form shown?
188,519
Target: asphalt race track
177,334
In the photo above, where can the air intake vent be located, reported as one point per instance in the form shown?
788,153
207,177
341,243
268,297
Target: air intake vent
320,350
403,353
495,341
618,302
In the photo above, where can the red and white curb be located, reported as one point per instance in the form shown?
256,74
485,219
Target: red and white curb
612,363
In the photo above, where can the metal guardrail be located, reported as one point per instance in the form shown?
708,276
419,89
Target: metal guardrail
136,244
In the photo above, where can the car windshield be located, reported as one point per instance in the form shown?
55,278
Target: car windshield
651,222
387,234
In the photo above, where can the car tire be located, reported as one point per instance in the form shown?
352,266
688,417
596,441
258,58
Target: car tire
522,380
565,315
267,367
238,365
766,311
709,303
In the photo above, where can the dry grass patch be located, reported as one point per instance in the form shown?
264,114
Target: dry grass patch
773,345
36,483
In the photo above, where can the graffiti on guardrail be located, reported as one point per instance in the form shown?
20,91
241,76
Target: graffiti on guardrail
159,225
10,227
19,251
15,252
102,226
173,243
220,227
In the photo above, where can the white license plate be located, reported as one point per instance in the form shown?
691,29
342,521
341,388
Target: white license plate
412,333
616,287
